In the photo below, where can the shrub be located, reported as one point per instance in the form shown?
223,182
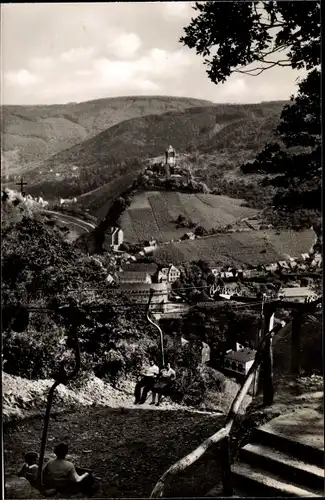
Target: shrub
31,354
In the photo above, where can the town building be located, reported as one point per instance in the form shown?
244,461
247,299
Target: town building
271,267
149,246
140,293
317,260
170,156
188,236
205,353
135,272
133,277
297,294
239,361
110,279
168,274
283,264
115,236
150,243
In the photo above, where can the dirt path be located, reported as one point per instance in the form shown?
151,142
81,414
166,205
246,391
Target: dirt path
128,448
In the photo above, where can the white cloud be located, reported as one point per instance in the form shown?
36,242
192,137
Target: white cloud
233,88
41,63
117,71
145,73
76,55
164,63
84,72
147,85
124,45
55,53
21,78
176,9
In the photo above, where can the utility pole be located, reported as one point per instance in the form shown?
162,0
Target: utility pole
152,291
258,341
296,342
21,184
268,385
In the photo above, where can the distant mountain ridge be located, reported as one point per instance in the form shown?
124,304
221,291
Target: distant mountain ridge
218,138
33,133
107,156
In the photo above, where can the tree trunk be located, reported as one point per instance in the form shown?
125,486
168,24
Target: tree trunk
268,389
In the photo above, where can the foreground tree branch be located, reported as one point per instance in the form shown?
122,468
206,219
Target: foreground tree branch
232,36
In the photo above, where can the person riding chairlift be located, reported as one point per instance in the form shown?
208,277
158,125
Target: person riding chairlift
164,384
146,383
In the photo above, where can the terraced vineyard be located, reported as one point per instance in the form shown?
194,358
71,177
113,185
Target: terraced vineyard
152,214
239,249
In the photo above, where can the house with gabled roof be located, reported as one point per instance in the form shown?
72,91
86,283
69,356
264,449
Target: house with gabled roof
168,274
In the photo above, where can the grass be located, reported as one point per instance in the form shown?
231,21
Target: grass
239,249
128,448
153,214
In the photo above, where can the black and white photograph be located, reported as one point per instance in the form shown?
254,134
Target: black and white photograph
161,250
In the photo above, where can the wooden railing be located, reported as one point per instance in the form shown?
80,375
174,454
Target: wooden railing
263,355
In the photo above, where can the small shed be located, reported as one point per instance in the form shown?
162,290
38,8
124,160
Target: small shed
239,362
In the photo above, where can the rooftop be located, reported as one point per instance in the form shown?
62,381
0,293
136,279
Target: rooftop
147,267
301,291
243,355
127,275
144,287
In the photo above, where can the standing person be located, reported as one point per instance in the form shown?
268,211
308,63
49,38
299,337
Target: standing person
61,474
147,381
164,384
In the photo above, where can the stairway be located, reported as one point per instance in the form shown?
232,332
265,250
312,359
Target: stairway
284,458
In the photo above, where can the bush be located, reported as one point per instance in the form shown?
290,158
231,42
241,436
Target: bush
32,355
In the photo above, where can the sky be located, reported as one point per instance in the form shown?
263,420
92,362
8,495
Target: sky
57,53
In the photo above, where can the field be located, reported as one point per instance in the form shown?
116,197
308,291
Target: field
239,249
152,214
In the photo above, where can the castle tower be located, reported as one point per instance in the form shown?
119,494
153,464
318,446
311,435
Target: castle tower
170,159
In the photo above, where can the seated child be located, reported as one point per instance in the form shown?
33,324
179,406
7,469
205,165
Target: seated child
30,467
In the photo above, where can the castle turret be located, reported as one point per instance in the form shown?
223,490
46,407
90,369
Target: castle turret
170,156
170,160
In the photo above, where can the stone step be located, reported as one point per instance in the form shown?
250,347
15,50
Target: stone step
284,465
299,433
259,483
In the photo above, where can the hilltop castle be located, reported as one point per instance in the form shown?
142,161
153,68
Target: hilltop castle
170,159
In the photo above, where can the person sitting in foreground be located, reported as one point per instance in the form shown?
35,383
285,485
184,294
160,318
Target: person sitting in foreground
146,383
61,474
164,384
30,468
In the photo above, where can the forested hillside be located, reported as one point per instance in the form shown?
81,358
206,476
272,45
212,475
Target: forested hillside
32,133
121,149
